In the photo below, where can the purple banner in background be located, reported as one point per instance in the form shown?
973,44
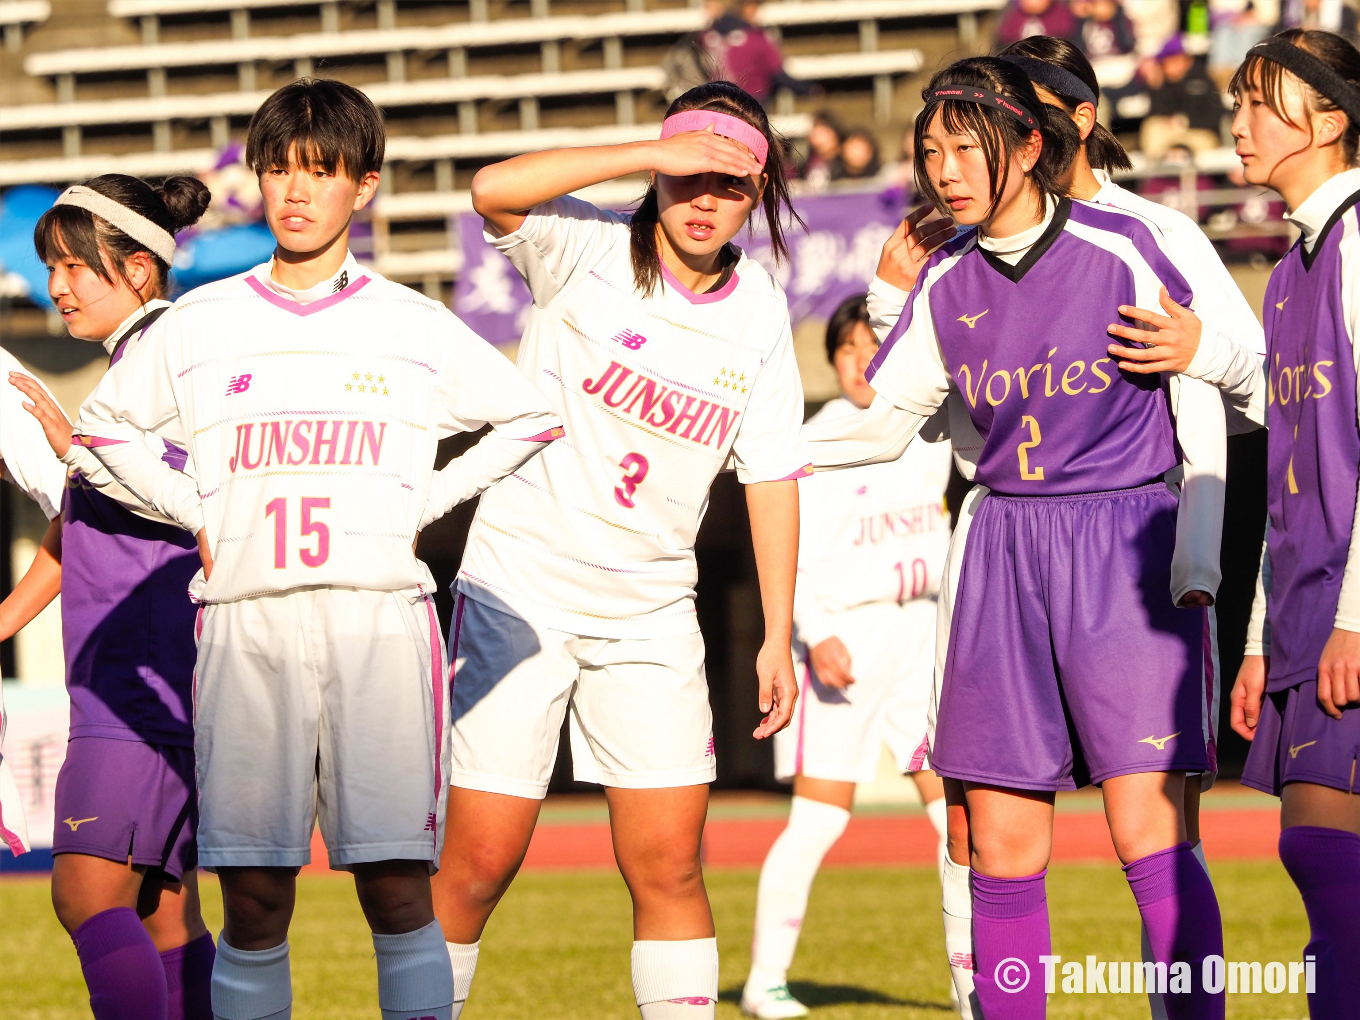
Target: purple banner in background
833,259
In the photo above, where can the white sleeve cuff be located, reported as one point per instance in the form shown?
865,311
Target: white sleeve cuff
885,304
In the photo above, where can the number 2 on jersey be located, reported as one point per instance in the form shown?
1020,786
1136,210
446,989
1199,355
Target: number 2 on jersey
278,509
1037,475
635,470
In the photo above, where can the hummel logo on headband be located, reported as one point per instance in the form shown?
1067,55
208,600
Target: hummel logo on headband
984,98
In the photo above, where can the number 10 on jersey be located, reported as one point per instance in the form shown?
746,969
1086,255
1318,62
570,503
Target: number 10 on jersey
278,509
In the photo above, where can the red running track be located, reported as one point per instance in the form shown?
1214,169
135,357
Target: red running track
881,840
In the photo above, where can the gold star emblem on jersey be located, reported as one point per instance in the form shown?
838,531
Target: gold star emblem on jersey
1159,742
971,320
365,382
730,379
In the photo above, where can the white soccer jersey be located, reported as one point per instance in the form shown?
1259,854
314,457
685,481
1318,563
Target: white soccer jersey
28,460
311,428
657,394
867,535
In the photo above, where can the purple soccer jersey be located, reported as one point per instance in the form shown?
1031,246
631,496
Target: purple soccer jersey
127,620
1314,446
1025,345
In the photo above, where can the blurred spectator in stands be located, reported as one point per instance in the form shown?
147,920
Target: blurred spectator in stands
741,52
687,63
235,191
859,156
1024,18
1187,108
1154,22
824,152
901,172
1327,15
1235,27
1105,30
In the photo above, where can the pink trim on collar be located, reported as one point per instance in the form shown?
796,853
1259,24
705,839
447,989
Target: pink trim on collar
700,299
319,305
723,124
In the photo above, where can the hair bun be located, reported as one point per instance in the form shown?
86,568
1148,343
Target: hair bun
186,199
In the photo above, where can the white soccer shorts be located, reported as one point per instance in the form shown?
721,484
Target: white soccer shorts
13,828
839,734
640,717
327,703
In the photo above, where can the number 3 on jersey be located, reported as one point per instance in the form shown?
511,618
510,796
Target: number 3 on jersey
1036,475
634,471
278,509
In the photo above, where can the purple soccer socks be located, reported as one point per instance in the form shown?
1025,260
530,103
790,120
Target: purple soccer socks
122,968
188,979
1010,933
1325,865
1180,914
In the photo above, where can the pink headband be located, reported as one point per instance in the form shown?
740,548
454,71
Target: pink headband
723,124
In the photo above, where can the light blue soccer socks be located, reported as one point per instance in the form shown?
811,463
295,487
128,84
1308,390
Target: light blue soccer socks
251,985
676,980
415,977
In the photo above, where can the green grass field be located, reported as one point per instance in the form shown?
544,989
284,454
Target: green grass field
558,947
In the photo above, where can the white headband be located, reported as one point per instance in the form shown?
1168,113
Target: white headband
134,224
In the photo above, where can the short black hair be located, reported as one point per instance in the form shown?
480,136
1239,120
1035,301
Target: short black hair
333,125
852,310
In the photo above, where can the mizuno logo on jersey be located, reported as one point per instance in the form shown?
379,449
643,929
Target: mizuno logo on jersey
238,384
971,320
1279,305
76,823
663,407
629,339
1159,742
308,441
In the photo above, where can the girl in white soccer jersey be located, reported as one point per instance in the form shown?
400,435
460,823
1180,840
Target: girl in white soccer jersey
872,542
1063,77
25,460
309,395
1069,561
669,355
124,880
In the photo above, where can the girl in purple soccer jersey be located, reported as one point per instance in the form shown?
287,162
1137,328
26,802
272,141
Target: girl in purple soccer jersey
123,881
1079,550
1297,696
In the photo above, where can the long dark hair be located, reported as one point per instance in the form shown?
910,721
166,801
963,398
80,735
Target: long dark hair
67,230
724,97
998,133
1332,50
1103,150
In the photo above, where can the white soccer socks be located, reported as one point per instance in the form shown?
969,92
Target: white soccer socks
676,980
958,934
938,813
251,986
415,978
463,958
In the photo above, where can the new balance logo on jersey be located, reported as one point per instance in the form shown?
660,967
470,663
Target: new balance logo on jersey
238,384
321,441
629,339
76,823
663,407
1159,742
341,282
431,823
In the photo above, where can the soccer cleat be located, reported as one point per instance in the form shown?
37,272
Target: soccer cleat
772,1003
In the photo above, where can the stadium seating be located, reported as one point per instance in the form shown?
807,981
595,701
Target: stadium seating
15,14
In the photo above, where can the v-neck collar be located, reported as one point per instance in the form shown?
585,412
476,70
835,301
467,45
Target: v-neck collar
1310,256
1016,273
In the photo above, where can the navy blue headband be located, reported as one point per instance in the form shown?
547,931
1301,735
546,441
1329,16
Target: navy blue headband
1057,80
970,94
1308,68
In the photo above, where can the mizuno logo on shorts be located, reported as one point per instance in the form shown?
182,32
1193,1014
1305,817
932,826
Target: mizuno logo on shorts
238,384
1294,751
1159,742
76,823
